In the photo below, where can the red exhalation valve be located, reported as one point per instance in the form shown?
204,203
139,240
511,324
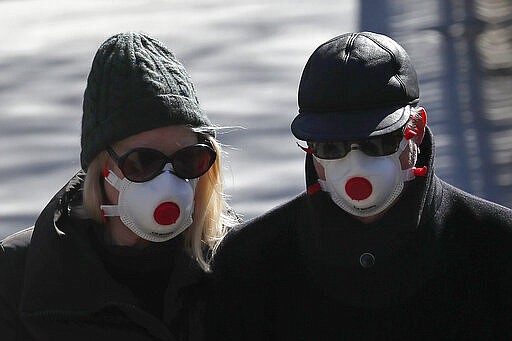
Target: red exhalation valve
358,188
420,171
166,213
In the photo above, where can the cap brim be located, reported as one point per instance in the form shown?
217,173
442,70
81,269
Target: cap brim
335,126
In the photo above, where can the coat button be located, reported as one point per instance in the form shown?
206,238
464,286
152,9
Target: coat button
367,260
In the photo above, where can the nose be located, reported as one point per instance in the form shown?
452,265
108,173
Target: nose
166,213
354,146
358,188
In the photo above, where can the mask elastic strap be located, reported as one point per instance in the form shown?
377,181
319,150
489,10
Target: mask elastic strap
305,149
112,178
323,185
314,188
402,145
410,173
110,210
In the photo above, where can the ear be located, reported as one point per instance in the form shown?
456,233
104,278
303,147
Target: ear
421,124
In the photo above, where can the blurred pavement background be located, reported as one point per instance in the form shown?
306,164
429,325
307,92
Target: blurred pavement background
245,58
462,51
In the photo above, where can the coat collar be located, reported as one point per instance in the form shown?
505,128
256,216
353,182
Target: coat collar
65,276
331,243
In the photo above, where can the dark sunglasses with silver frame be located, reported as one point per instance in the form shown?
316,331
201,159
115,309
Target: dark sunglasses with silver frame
381,145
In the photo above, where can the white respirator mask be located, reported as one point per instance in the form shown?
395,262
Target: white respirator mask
365,185
155,210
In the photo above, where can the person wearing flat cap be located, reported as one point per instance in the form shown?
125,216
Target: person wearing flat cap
378,247
122,251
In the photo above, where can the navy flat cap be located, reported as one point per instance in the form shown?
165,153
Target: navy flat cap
355,85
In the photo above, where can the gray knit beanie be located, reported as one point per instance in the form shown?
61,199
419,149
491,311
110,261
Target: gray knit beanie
135,84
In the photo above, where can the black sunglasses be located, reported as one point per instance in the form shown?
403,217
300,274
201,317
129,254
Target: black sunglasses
143,164
381,145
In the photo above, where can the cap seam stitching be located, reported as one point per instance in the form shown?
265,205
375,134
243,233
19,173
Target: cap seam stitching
395,62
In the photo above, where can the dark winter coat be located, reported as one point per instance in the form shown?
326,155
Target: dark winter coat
54,286
441,270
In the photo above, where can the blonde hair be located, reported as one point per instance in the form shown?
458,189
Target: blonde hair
212,216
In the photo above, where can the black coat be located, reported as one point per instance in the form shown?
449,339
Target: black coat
54,286
441,269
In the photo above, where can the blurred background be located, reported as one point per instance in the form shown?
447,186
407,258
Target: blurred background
245,58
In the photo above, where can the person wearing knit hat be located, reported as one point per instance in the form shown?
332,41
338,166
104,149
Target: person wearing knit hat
122,251
377,247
